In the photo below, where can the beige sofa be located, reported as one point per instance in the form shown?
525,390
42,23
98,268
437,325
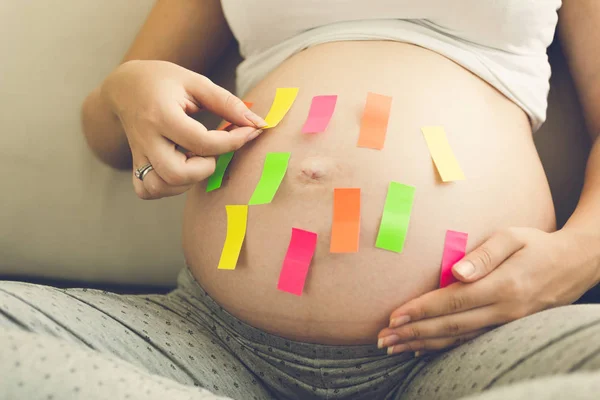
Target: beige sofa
65,215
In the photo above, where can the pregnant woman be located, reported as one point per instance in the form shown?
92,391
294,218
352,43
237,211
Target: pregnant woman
478,68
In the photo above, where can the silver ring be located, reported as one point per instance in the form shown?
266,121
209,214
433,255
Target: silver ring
141,172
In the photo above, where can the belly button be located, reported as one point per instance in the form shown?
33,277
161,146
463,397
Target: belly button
316,169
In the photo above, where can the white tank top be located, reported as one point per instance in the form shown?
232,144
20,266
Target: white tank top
502,41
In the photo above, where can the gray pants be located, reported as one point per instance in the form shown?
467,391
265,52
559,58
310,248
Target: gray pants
89,344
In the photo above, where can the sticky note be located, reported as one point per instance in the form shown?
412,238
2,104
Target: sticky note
321,110
442,154
374,121
272,175
284,98
226,124
237,217
345,229
216,179
455,247
396,216
297,260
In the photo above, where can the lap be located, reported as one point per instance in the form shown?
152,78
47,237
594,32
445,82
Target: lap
166,339
556,341
577,386
42,367
159,334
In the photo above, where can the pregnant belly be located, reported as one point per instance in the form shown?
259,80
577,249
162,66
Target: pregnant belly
348,297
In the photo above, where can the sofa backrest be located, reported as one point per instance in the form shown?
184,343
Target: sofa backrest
65,215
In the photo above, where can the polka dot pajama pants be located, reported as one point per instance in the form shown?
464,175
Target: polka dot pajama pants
89,344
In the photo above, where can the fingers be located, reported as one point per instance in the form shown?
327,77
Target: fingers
156,188
488,256
221,102
175,168
420,346
192,135
452,325
153,186
452,299
173,173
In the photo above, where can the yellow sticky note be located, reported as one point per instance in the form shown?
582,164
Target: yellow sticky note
284,98
237,217
442,154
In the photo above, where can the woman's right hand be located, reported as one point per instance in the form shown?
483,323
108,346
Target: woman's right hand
153,100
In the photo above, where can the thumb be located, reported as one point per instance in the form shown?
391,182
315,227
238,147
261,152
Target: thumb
222,102
487,257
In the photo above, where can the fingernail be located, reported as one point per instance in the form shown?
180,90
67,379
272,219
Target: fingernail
255,119
399,348
464,268
254,134
385,341
398,321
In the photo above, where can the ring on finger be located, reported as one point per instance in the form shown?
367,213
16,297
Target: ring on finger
142,171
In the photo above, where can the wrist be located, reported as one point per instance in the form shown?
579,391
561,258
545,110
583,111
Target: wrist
585,245
106,94
103,131
118,83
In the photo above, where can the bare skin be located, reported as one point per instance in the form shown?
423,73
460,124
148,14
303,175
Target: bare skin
520,271
348,298
360,290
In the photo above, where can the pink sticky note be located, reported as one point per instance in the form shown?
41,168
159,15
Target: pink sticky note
297,260
321,110
455,247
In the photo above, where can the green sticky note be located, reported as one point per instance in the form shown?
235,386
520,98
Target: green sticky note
216,179
272,175
396,216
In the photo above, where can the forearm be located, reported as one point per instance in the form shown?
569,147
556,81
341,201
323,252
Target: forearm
579,30
189,33
585,221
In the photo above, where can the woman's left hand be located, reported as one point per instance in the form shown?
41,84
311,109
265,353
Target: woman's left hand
515,273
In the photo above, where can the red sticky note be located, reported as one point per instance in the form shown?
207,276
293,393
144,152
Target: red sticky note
223,126
321,110
373,127
297,260
455,247
345,229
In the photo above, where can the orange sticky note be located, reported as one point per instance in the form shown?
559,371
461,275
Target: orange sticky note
374,122
345,229
224,125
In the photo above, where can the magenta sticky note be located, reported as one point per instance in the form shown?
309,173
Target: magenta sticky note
455,247
297,260
321,110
